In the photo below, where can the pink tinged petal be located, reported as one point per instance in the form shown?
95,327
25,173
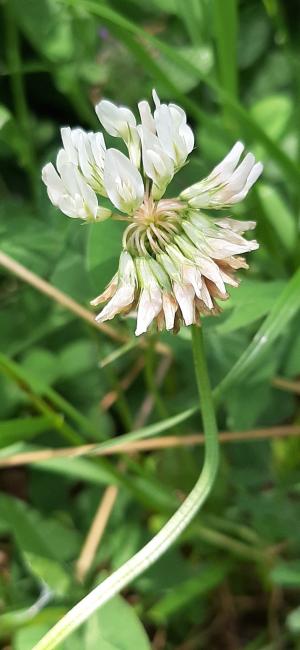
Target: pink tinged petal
123,181
170,309
150,305
192,275
225,248
211,271
236,226
185,295
122,299
107,293
228,279
206,297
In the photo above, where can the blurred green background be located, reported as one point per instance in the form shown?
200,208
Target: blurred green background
233,581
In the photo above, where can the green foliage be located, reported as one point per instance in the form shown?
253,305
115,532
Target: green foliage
234,579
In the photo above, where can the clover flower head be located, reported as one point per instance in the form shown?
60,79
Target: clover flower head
176,260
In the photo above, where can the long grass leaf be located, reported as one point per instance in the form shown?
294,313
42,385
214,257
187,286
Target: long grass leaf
284,308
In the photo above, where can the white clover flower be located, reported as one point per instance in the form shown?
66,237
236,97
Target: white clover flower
70,193
119,121
227,184
176,261
72,188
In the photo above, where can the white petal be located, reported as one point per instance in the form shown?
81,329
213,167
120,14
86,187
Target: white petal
146,116
155,98
150,305
175,136
158,166
115,119
53,182
239,177
226,167
252,178
68,177
123,181
88,195
67,140
67,205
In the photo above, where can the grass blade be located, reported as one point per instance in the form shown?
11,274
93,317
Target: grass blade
285,307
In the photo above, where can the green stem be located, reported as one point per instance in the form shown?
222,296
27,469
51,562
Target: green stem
151,382
169,534
225,29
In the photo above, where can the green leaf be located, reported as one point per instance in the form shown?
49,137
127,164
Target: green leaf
273,114
26,638
77,358
47,26
70,276
202,58
287,574
37,551
49,571
43,367
103,252
115,627
188,591
250,302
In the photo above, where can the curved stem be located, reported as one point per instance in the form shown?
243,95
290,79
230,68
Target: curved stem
172,529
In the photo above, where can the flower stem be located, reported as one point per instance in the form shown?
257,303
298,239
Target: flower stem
169,533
